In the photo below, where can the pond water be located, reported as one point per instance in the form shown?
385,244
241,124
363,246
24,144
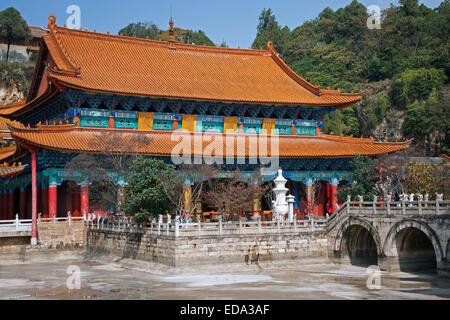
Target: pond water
128,279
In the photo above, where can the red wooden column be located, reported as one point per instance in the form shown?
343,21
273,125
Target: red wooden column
52,197
84,191
6,205
33,199
2,205
23,203
11,207
44,200
334,184
240,127
309,195
293,130
175,125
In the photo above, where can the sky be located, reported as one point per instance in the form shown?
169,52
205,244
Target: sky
233,21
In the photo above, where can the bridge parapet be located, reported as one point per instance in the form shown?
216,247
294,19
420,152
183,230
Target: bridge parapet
387,207
399,230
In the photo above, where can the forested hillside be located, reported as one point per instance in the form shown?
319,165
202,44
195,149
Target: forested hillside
404,68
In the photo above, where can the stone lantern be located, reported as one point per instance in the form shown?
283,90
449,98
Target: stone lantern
280,205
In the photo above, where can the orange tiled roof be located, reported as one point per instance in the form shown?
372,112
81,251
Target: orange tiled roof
17,108
10,108
8,171
3,123
37,32
7,152
68,138
130,66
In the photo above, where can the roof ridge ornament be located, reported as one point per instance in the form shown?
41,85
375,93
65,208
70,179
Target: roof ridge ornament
51,20
270,45
171,31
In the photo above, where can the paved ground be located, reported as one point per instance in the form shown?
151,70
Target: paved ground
125,279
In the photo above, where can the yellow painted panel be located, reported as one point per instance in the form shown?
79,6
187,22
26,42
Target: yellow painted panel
268,126
145,121
230,124
189,123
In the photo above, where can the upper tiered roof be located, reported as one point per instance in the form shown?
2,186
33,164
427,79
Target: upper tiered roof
113,64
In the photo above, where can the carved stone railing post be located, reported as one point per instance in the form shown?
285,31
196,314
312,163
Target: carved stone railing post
259,224
419,202
426,198
374,204
348,204
159,224
17,222
439,198
295,223
69,218
311,219
411,200
177,230
388,203
199,226
404,196
220,226
360,201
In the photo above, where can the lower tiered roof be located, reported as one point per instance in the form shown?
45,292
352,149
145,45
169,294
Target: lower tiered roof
69,138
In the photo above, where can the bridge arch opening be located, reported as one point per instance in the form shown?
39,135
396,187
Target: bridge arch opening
358,246
414,250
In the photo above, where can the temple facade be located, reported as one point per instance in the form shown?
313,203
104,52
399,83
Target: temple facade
150,95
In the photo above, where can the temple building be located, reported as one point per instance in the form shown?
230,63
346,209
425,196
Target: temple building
88,84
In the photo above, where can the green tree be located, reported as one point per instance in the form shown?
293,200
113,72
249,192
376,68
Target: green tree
415,84
364,178
141,30
13,28
268,29
145,196
196,37
422,179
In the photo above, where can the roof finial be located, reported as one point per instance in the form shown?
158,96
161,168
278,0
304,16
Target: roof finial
171,31
270,45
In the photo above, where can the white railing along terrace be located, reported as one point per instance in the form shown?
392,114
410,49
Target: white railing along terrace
177,229
16,225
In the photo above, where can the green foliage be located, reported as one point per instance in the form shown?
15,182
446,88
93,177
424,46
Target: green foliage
426,117
13,28
12,71
145,194
382,105
364,177
196,37
415,124
342,122
421,179
268,29
415,84
151,30
141,30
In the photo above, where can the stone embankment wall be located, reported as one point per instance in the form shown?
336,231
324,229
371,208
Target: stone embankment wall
62,234
211,249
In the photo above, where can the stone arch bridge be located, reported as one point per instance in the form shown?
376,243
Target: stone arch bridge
398,236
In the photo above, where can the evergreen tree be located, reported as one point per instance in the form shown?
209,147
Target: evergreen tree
13,28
